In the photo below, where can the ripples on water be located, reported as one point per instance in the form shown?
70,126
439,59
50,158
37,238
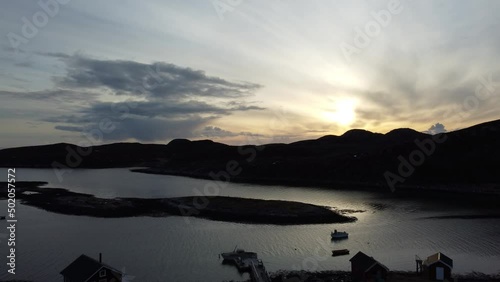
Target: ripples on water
393,230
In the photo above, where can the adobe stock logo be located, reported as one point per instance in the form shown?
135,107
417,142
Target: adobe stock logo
416,158
223,6
126,277
363,37
31,26
484,90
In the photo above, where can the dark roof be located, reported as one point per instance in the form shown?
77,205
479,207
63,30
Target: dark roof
83,268
439,257
365,262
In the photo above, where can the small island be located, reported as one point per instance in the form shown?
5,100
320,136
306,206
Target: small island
211,207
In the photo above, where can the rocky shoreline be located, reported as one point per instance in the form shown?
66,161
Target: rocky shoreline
345,276
214,207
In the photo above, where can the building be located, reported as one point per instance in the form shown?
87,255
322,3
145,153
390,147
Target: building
438,267
365,268
87,269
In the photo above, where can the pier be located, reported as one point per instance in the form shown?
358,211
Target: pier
248,262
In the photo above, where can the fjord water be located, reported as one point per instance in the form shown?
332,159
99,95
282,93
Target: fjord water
393,230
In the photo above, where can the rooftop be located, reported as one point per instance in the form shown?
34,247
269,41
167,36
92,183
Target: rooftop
439,257
365,262
83,268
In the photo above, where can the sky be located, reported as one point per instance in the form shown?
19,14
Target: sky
243,71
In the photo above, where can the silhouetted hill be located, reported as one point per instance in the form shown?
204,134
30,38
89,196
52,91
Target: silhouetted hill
360,135
457,160
404,135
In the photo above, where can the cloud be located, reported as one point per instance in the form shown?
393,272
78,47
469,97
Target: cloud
156,129
158,80
157,109
25,64
59,96
436,129
69,128
448,93
145,102
214,131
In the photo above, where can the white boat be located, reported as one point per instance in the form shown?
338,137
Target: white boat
336,235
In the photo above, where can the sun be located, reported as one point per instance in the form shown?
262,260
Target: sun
342,112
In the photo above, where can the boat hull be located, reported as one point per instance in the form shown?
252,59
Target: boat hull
339,235
340,252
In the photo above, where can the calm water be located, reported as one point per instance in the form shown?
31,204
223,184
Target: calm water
176,249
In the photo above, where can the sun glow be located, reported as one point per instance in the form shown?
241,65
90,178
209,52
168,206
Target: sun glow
342,112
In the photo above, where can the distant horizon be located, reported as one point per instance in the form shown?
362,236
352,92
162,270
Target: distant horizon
243,144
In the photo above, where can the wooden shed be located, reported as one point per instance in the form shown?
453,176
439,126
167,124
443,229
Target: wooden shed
438,267
85,269
365,268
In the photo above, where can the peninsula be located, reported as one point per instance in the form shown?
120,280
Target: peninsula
216,208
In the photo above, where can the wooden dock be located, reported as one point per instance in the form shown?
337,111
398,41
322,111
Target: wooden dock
251,263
